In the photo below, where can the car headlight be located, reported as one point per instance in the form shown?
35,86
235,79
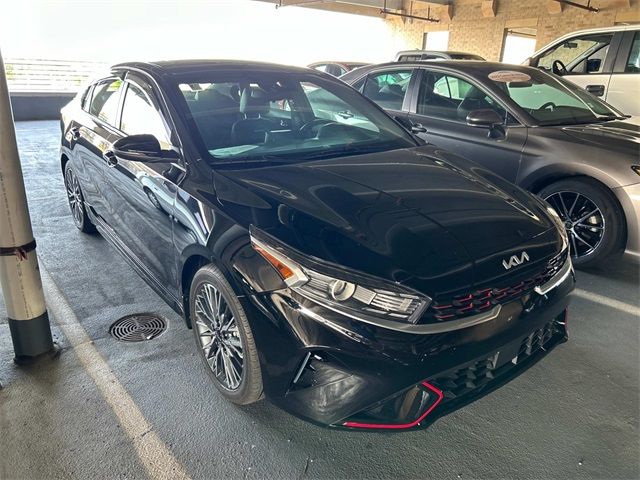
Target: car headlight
636,168
344,292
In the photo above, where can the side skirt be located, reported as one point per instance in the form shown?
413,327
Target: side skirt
110,235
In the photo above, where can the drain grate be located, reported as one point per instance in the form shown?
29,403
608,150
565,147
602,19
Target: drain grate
138,328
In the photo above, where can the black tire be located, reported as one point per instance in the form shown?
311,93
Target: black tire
249,389
75,199
607,238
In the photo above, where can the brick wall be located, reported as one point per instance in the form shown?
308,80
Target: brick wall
471,31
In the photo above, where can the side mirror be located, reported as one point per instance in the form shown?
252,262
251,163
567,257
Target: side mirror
485,118
142,148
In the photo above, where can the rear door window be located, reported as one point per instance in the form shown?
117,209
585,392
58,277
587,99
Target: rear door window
105,100
633,62
388,88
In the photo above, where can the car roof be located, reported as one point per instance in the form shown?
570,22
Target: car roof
339,62
179,67
470,67
433,52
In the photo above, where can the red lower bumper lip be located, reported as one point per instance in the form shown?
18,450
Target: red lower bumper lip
427,385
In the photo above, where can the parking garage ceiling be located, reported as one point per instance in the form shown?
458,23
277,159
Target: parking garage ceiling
361,7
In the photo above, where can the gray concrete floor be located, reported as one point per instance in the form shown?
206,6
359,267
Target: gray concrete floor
573,415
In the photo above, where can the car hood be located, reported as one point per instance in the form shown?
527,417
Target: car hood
421,216
619,135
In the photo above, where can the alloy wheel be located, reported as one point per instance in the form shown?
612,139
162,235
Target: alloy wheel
74,197
582,219
218,336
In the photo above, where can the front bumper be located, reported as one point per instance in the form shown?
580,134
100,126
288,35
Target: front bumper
339,372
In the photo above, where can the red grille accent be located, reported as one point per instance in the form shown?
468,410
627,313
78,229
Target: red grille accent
480,301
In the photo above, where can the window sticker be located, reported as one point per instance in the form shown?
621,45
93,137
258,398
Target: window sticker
507,76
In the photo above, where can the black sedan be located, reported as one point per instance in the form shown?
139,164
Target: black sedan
532,128
322,256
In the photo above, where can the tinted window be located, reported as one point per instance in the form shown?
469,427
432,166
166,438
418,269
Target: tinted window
285,116
104,101
388,89
140,116
452,98
633,62
581,55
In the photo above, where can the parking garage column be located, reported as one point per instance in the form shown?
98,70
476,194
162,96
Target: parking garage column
19,274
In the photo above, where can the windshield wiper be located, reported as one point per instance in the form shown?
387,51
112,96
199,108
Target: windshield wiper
608,118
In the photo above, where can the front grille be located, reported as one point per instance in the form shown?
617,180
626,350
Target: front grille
479,301
475,376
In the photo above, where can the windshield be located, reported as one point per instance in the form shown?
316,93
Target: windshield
285,116
550,100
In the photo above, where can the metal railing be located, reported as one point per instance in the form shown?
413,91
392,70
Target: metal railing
50,76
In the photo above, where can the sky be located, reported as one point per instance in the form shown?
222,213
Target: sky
113,31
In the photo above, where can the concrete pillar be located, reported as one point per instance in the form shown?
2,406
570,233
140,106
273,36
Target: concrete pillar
19,274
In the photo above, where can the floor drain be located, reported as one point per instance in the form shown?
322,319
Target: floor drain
138,328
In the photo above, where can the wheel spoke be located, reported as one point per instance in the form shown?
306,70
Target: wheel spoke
228,324
584,217
586,225
574,248
231,372
578,237
200,308
235,347
564,207
573,205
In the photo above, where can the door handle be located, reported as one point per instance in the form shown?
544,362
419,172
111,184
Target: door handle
597,90
75,133
418,128
110,157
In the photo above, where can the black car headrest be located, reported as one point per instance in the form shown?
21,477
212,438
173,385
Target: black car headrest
254,101
211,99
475,99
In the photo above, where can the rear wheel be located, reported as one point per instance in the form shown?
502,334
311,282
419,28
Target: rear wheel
592,218
223,337
76,201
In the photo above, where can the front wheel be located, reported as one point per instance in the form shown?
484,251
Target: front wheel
592,218
76,201
223,337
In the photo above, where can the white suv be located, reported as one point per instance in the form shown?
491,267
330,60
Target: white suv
604,61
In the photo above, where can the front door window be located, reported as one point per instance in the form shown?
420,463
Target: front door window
448,97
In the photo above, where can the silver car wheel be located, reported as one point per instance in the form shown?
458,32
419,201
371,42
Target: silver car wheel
582,219
218,336
74,197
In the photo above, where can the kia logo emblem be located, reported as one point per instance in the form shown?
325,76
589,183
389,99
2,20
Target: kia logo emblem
514,261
